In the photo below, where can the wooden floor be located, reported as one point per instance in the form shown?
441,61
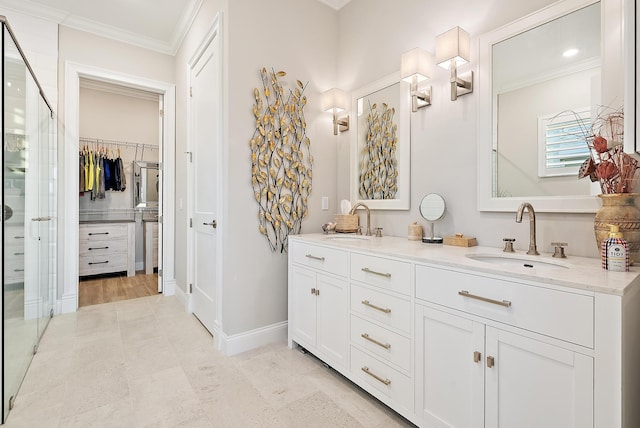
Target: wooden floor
105,289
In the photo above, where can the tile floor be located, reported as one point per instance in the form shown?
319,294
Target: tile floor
147,363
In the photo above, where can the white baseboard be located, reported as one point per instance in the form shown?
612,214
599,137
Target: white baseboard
169,288
67,304
238,343
183,297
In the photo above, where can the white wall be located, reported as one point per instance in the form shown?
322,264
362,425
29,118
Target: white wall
299,37
444,135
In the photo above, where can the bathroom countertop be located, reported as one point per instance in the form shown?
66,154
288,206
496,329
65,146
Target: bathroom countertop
584,273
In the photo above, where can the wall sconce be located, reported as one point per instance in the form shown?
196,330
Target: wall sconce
415,67
335,101
452,50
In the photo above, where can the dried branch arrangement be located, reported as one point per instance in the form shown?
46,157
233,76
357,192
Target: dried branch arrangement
281,160
378,164
608,164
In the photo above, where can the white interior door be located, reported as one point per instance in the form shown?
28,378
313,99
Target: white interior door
205,127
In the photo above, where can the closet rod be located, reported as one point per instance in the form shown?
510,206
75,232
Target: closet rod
118,143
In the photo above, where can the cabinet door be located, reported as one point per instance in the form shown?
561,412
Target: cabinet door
333,319
535,384
303,323
450,376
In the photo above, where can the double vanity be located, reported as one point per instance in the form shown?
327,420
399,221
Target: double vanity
470,337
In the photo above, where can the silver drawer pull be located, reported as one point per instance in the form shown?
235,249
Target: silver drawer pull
504,303
311,256
98,248
98,233
18,270
18,237
41,219
375,376
367,270
372,340
18,254
98,263
377,308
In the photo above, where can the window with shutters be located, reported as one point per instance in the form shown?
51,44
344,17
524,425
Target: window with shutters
561,142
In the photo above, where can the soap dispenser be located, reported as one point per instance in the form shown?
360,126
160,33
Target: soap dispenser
615,251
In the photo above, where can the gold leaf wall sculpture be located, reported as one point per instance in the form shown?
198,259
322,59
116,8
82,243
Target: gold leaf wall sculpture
281,160
378,163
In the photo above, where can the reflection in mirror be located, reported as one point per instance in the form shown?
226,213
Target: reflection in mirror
380,146
540,84
146,184
432,209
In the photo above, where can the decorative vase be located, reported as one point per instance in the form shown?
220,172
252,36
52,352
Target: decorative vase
620,209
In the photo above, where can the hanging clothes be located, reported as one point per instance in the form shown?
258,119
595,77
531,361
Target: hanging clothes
81,172
123,177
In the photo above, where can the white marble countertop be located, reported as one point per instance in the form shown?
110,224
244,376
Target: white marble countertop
582,273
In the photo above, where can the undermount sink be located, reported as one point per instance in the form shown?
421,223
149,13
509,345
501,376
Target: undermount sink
348,237
524,262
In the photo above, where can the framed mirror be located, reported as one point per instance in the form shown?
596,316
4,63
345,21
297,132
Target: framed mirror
380,145
539,75
146,182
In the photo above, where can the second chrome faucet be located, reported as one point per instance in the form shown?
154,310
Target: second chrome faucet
533,250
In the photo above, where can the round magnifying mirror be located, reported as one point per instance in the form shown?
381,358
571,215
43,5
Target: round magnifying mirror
432,209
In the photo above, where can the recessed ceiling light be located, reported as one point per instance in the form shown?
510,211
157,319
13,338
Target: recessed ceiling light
570,52
9,84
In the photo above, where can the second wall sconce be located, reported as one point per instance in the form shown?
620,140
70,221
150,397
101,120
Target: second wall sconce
335,100
415,67
452,50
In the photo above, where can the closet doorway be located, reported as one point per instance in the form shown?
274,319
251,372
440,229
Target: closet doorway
120,187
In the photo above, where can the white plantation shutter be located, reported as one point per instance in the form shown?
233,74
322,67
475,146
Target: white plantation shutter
561,142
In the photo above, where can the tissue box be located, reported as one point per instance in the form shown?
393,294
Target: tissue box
346,223
460,241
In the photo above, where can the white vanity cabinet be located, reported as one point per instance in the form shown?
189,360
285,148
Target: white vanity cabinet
318,296
484,362
448,341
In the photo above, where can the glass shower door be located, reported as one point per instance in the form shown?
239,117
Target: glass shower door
28,229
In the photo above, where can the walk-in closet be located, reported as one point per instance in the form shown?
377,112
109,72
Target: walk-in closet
120,187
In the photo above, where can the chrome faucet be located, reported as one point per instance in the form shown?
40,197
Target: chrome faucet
353,211
533,250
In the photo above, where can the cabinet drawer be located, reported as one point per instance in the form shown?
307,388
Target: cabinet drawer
388,274
318,257
384,308
102,232
560,314
379,376
90,248
14,235
91,265
386,344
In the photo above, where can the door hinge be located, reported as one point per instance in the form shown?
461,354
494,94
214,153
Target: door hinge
160,273
190,222
161,113
160,219
190,288
190,157
191,91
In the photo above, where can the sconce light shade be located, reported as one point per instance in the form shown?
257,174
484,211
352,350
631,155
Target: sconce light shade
415,67
452,48
335,100
416,62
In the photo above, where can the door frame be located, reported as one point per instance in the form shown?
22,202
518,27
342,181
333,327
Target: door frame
214,35
68,206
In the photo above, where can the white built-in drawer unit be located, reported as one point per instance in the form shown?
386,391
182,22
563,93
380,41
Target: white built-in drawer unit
326,259
389,274
391,310
107,248
527,306
392,347
14,253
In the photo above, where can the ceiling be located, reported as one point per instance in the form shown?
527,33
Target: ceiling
159,25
